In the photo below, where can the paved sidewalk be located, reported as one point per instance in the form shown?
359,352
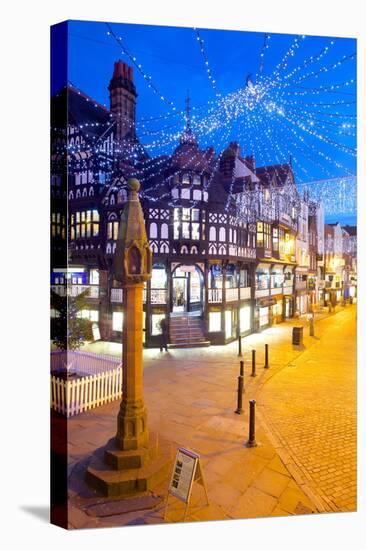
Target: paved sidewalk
191,396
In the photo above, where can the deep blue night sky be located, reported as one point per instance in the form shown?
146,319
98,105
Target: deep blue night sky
172,57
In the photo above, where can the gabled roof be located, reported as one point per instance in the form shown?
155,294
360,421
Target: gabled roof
277,172
351,230
82,111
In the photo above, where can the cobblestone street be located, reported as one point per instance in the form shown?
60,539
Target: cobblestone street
306,410
311,408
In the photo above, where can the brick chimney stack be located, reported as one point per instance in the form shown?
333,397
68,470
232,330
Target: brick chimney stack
122,94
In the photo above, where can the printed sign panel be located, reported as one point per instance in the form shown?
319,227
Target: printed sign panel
183,474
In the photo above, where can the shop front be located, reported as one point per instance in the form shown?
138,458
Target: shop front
278,309
264,313
302,303
187,294
288,307
245,319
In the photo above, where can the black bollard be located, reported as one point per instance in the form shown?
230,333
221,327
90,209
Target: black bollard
239,409
253,363
251,441
266,364
239,346
241,368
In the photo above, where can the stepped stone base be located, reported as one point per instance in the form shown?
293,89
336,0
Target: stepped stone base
127,473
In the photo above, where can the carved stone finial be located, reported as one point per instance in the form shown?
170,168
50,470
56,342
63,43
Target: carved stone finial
132,259
134,184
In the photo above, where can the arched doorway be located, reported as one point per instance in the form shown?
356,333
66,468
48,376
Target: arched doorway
187,290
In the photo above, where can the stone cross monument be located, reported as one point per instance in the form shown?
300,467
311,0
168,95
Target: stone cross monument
132,267
133,462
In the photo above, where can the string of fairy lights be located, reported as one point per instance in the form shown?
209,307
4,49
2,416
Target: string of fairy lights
279,113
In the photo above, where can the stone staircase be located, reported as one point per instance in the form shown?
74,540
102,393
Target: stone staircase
185,331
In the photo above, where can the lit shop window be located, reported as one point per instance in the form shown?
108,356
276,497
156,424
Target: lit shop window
158,277
228,323
58,226
244,318
231,276
277,278
195,287
263,316
84,224
94,277
214,321
117,321
91,314
156,319
262,280
112,230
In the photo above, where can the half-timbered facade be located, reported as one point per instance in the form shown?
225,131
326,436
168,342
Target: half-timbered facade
222,231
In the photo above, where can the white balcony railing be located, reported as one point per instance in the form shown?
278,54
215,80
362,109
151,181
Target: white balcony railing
262,293
277,290
61,290
245,293
158,296
215,295
232,294
75,290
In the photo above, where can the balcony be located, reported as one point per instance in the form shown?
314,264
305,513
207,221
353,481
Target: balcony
75,290
276,290
158,296
232,294
245,293
262,293
215,295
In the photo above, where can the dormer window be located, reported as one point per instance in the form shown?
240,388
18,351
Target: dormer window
196,180
186,179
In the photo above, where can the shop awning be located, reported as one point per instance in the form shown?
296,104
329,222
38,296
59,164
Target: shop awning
266,302
276,261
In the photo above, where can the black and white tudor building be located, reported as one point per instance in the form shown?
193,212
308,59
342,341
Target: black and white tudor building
222,231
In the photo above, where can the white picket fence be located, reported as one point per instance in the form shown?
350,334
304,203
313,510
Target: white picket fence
72,397
82,362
